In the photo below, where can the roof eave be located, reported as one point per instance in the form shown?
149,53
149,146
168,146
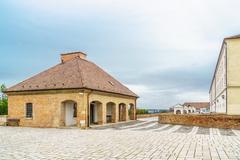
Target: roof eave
33,90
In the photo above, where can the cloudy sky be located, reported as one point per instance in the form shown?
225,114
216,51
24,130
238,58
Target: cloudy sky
165,51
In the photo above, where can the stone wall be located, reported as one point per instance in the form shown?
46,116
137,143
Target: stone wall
213,121
48,106
3,120
147,115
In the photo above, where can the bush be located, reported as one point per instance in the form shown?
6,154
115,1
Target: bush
3,101
3,106
142,111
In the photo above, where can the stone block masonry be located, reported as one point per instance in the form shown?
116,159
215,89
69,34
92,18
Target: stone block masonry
3,120
206,120
49,107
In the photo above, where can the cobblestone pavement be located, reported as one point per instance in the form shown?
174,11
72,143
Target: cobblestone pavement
134,140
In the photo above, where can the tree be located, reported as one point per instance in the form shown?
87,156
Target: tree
142,111
3,101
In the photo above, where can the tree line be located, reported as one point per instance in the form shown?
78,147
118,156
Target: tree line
3,101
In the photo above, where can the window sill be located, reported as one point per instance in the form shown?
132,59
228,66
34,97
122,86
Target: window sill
28,118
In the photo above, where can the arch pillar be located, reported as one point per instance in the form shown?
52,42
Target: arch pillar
104,113
117,113
127,113
82,114
123,112
131,111
135,111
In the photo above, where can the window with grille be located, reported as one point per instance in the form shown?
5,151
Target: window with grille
29,110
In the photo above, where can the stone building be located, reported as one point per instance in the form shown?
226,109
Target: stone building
75,92
181,109
225,87
200,107
191,108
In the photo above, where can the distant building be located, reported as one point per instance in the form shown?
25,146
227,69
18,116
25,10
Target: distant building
191,108
200,107
181,109
225,87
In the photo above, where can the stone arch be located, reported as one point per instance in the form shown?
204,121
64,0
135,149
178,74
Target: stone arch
185,111
178,112
68,113
131,113
95,112
122,112
111,112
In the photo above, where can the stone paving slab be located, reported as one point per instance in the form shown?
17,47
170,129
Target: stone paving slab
226,132
156,126
170,143
165,128
204,131
184,129
118,126
139,125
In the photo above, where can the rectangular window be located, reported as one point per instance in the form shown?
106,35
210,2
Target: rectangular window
29,110
75,110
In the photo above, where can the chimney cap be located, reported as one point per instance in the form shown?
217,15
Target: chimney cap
77,52
71,55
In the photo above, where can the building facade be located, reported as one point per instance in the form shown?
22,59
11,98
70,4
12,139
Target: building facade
75,92
182,109
200,107
224,92
191,108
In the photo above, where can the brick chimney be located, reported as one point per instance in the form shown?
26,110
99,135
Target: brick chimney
69,56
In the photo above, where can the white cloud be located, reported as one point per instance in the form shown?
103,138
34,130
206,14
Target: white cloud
154,35
192,96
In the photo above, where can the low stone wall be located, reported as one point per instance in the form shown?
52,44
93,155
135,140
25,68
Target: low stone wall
3,120
147,115
209,120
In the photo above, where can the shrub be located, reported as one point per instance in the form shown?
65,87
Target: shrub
142,111
3,107
3,101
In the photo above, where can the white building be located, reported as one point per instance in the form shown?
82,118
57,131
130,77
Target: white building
225,87
191,108
201,107
181,109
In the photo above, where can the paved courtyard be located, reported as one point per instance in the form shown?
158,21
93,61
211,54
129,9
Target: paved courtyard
143,139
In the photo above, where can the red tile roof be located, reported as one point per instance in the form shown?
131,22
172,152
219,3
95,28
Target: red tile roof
197,105
73,74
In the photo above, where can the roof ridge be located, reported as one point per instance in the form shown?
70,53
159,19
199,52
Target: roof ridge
80,73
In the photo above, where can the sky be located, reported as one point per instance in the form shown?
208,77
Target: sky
165,51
